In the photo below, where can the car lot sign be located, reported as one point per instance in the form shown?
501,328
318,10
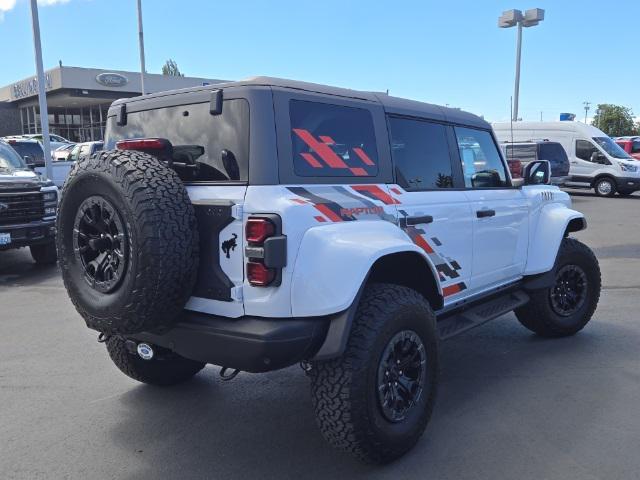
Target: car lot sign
112,79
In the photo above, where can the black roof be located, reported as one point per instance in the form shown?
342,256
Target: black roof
391,104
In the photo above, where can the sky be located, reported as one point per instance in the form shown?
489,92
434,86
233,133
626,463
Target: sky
445,52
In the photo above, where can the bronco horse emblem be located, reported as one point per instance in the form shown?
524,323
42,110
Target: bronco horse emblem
229,245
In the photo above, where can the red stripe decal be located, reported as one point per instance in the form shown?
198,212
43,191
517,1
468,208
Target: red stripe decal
422,243
376,192
298,200
396,191
321,207
363,156
359,172
311,160
320,219
322,149
327,139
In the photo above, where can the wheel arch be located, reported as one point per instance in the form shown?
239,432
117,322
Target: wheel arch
600,176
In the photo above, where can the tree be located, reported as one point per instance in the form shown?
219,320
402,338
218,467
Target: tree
170,68
614,120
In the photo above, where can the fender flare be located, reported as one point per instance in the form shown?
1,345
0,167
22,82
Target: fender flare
333,261
553,223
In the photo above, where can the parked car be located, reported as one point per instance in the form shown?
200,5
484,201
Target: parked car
30,150
631,145
55,141
60,154
523,153
32,153
258,224
83,150
28,207
596,161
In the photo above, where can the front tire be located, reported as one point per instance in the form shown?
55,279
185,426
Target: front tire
376,400
567,306
605,187
44,254
166,368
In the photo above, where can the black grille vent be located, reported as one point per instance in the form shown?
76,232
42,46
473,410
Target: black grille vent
22,205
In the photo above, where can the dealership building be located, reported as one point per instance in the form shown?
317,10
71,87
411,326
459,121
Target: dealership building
78,99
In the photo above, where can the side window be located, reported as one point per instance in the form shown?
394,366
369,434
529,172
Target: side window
635,146
481,162
332,140
420,154
584,149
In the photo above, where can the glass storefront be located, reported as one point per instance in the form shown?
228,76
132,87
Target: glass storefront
80,124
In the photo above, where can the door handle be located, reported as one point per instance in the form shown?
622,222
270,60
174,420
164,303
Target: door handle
485,213
417,220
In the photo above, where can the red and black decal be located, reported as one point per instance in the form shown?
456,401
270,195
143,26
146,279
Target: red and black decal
324,153
453,289
376,193
330,209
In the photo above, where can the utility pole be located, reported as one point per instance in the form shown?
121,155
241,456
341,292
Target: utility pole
586,110
141,41
42,96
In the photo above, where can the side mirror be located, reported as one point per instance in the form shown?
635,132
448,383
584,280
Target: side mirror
28,159
537,173
597,157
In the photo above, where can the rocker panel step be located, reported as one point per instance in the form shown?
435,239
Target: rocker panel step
481,313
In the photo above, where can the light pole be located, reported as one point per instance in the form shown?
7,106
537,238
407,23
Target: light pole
511,18
42,98
586,110
141,40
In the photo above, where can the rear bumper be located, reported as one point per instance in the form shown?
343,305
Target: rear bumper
28,234
251,344
629,184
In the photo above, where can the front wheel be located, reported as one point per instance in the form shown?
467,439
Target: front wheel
567,306
375,400
605,187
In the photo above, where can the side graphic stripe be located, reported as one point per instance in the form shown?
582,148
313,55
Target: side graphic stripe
363,156
453,289
375,192
310,159
330,209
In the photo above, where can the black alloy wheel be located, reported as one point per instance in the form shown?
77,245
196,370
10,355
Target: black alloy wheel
100,243
402,374
569,291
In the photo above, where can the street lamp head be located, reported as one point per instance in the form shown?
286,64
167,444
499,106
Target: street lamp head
509,18
533,17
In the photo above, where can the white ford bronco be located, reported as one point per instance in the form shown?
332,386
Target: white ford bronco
257,224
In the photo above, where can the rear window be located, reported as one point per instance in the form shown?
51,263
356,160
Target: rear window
524,153
553,152
635,146
31,149
216,145
332,140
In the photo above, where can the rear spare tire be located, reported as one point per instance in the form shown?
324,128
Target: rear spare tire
127,242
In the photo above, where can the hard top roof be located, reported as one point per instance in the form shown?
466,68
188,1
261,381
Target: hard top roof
395,105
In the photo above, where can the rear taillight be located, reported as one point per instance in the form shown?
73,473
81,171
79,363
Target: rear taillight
258,230
259,275
265,251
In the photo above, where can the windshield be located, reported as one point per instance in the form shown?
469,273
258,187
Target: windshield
9,159
612,148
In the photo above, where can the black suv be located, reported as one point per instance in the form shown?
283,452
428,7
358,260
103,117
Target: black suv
526,152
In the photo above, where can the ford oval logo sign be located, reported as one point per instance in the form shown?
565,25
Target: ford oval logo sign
112,80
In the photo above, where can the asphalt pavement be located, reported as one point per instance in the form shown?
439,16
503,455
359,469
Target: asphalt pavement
511,405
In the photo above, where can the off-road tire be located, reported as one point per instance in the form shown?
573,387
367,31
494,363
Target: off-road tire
160,225
539,316
611,191
44,253
345,390
166,368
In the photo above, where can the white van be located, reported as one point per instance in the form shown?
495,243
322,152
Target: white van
596,160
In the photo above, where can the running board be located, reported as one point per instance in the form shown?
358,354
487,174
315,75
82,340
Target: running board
481,313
